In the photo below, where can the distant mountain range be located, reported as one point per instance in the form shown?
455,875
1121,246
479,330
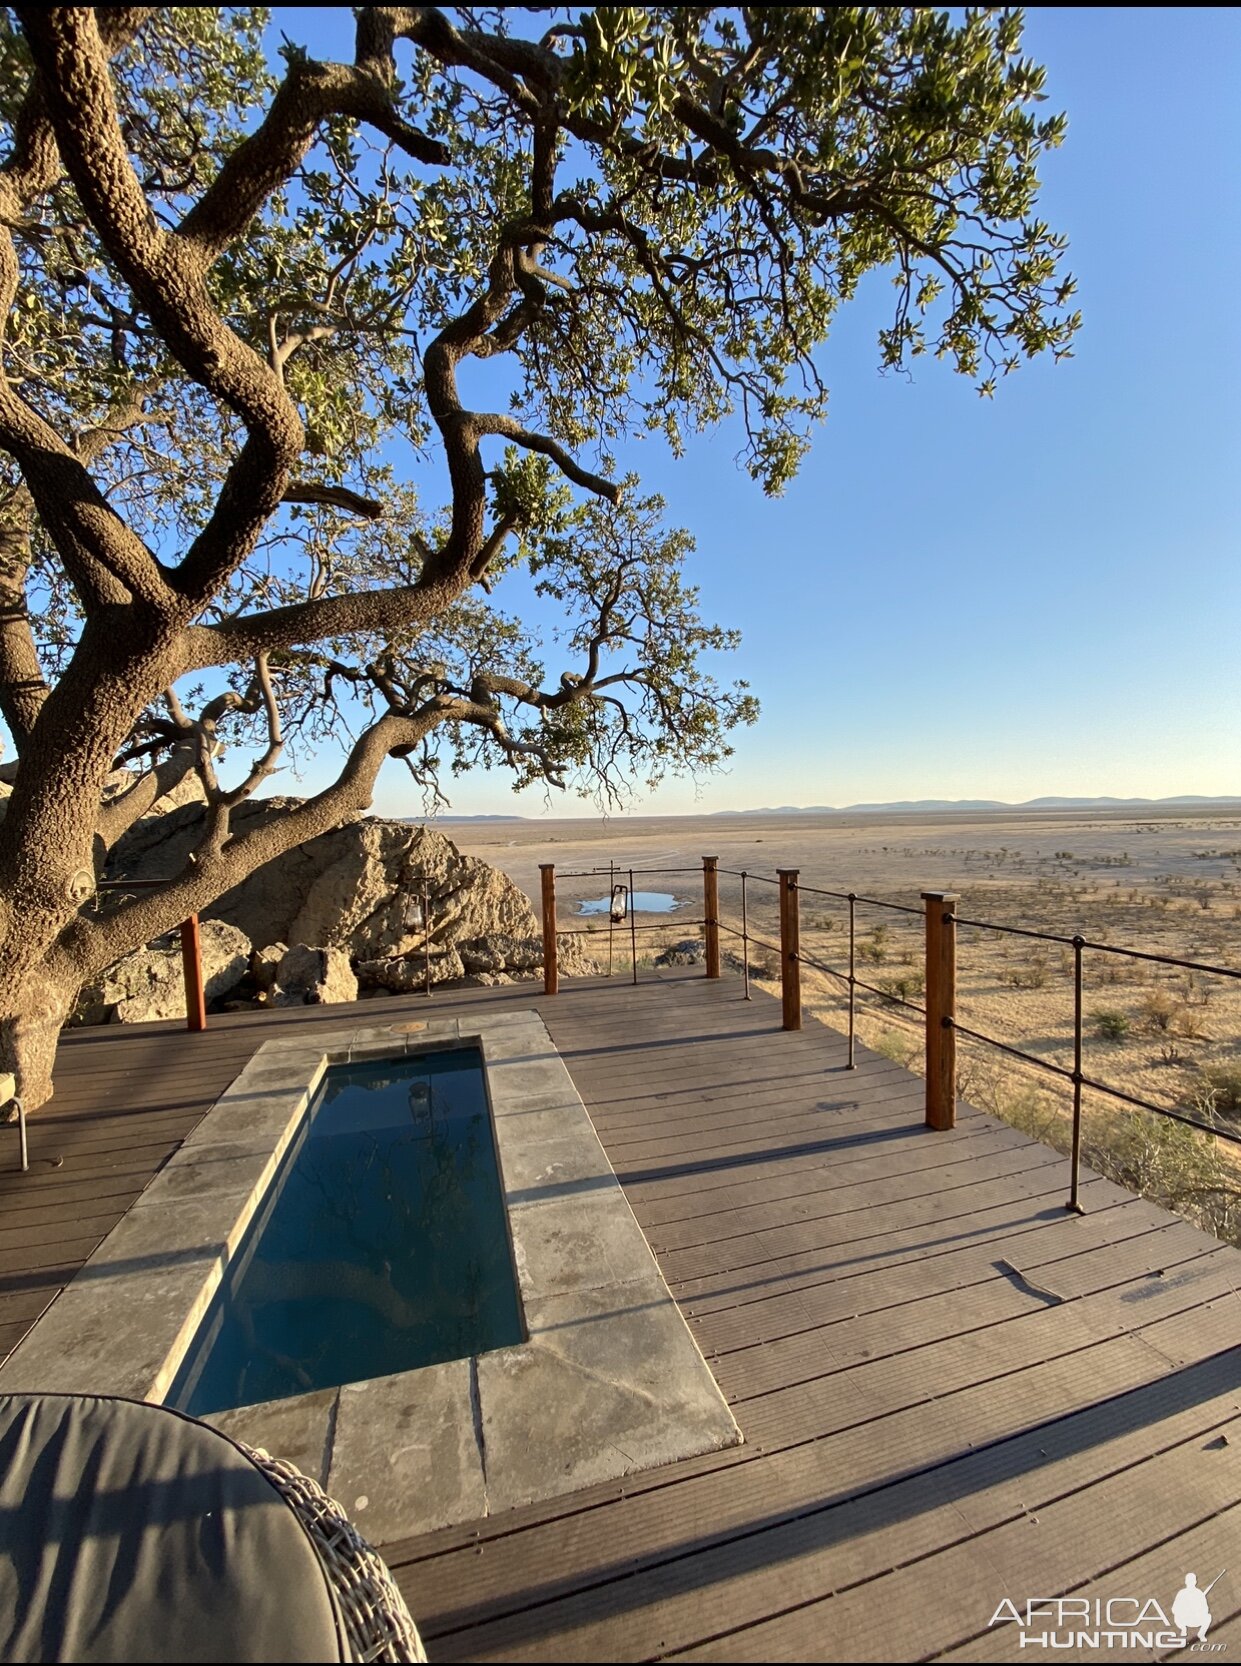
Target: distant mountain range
913,804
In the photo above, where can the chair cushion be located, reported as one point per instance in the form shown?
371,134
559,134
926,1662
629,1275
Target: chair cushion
130,1532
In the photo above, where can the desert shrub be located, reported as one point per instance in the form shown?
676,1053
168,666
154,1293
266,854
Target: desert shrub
1188,1023
906,986
1159,1010
874,949
1196,994
1110,1024
1222,1085
1172,1164
1168,1162
1026,1107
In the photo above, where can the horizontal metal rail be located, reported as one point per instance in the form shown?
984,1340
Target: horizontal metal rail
656,925
1104,948
856,896
749,937
860,983
598,873
1234,1137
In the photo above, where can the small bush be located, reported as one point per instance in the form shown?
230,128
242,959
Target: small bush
905,987
875,950
1110,1025
1188,1023
1223,1083
1159,1010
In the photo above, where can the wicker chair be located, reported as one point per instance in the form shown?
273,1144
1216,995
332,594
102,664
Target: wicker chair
129,1531
378,1623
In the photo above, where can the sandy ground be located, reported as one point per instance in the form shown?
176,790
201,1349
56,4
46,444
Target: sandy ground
1168,882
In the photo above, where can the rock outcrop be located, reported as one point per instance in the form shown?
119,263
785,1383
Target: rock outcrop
372,906
312,977
359,887
149,982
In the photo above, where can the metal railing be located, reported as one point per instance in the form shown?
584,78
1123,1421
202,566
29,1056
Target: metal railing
614,874
1076,1076
938,1011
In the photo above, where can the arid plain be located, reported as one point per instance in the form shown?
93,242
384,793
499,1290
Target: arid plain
1163,879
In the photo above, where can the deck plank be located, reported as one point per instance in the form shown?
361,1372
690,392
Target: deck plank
946,1384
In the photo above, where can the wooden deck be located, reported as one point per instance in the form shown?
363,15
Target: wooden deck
951,1392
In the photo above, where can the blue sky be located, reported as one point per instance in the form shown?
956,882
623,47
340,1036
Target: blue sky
1037,594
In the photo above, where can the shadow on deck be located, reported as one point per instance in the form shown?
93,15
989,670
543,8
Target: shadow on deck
951,1391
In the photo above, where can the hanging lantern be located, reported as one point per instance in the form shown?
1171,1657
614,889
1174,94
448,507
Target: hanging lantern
415,915
620,903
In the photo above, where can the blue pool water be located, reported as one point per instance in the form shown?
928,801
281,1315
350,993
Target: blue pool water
382,1246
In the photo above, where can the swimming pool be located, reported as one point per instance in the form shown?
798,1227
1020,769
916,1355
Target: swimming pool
381,1247
604,1379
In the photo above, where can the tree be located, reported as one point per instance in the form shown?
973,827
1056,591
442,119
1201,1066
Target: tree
238,309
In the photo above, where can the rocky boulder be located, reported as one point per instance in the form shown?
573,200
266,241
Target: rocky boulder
307,976
149,983
572,958
501,953
686,953
264,963
401,973
495,959
364,889
358,887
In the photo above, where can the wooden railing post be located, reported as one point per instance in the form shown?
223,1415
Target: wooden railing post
711,912
790,949
941,1008
192,969
551,972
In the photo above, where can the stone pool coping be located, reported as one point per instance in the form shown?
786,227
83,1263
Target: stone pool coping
609,1382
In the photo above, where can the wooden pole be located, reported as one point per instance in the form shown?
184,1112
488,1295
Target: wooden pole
790,947
551,972
711,912
192,970
941,1009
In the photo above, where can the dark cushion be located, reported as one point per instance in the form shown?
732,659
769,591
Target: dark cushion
130,1532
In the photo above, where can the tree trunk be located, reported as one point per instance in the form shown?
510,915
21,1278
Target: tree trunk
28,1036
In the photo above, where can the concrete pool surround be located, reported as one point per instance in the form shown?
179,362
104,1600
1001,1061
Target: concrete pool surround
608,1382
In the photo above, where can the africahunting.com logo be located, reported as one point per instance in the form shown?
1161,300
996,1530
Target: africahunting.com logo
1116,1622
